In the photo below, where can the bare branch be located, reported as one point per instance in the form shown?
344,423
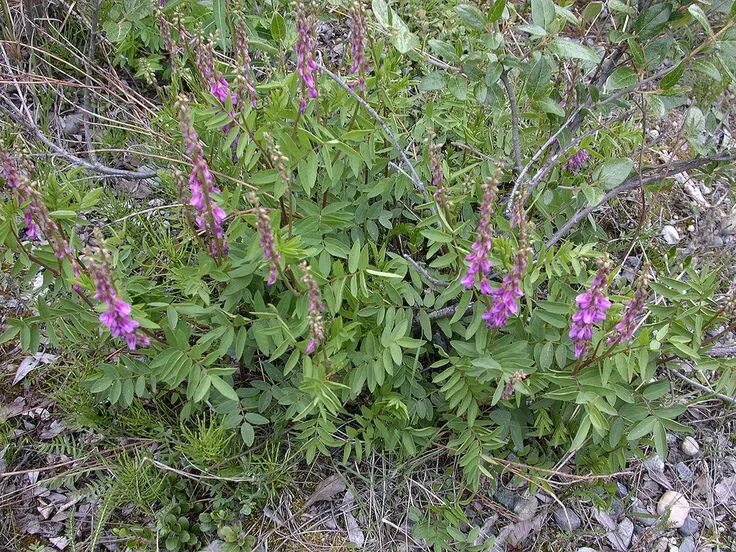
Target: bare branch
94,166
630,184
700,386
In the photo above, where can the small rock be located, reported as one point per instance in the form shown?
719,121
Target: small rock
485,530
566,519
670,235
684,472
687,545
505,497
621,490
620,539
690,527
644,517
617,509
586,549
654,464
676,506
690,446
605,519
525,508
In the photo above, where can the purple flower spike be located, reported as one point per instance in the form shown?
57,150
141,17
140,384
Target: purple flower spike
479,262
360,65
576,162
316,322
220,89
209,215
505,296
268,244
625,328
117,317
39,224
592,307
306,45
245,83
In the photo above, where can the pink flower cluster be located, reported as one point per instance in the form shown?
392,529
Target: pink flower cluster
505,296
592,307
306,45
576,162
205,61
39,224
209,216
268,244
625,327
358,35
479,261
316,322
117,317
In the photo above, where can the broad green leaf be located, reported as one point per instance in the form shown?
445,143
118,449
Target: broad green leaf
543,13
623,77
219,11
433,81
613,172
574,50
471,16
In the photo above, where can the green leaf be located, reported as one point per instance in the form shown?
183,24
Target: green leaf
256,419
247,434
91,199
433,81
471,16
706,68
581,434
653,19
613,172
623,77
401,37
641,429
354,257
672,77
278,27
548,105
496,11
219,11
459,87
225,389
698,13
574,50
543,13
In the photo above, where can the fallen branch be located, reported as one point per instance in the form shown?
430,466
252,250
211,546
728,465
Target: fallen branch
630,184
702,387
94,166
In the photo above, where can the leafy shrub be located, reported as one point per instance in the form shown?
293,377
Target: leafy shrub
310,274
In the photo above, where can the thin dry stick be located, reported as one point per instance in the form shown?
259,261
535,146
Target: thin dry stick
702,387
97,167
630,184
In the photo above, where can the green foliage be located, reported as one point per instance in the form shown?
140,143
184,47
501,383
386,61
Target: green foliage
407,360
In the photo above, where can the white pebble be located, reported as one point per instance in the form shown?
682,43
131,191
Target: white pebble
670,235
690,446
675,506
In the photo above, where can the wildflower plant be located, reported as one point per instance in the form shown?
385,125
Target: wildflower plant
298,276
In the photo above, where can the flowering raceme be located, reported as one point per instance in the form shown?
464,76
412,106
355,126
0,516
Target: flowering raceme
117,317
479,261
39,224
244,81
624,329
505,296
306,44
209,216
576,162
316,322
592,307
357,44
268,244
215,82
